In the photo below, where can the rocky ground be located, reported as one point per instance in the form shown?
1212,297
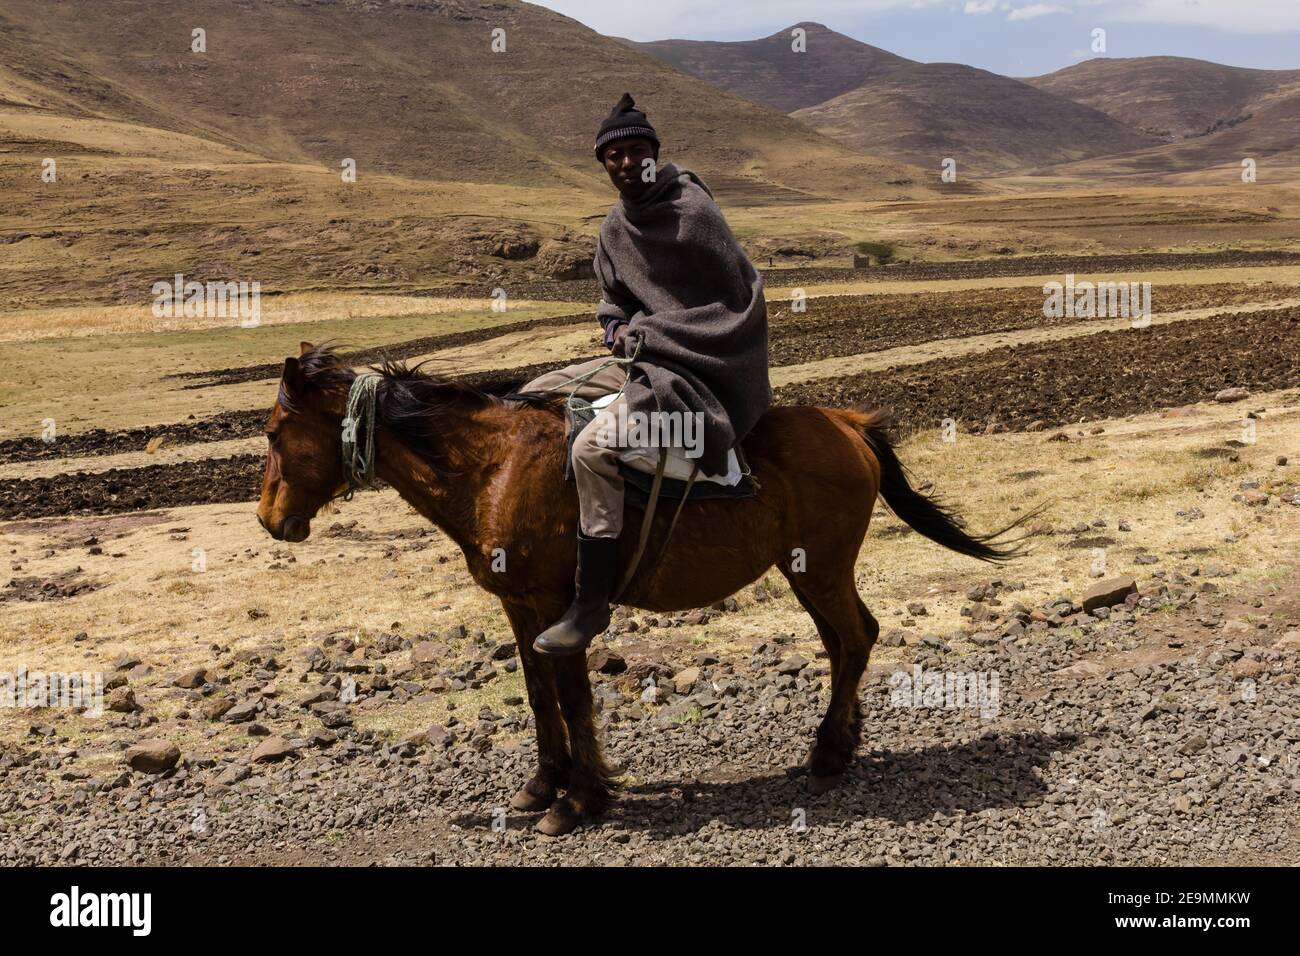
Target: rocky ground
1152,722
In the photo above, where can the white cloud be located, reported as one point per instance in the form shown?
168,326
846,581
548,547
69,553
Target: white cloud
1230,16
750,19
739,19
1035,10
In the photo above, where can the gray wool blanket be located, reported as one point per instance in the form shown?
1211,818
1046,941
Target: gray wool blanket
669,265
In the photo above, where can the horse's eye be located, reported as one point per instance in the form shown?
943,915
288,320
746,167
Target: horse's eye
272,436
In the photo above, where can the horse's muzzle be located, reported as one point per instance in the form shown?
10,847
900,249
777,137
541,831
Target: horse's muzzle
292,528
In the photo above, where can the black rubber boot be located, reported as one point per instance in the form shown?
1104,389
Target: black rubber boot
588,615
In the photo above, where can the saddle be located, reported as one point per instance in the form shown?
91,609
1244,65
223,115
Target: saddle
646,479
638,467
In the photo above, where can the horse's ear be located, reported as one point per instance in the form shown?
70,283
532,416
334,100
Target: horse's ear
293,376
304,348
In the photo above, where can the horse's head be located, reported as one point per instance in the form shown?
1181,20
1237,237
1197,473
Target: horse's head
304,467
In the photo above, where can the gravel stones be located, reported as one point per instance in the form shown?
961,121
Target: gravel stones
1156,739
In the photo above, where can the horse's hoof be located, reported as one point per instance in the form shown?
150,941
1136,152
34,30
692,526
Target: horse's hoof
525,801
558,821
819,785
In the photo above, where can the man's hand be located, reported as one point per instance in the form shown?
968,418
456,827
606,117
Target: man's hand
620,337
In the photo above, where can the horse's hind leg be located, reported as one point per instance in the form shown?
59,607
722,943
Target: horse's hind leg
842,611
588,791
553,761
872,628
830,640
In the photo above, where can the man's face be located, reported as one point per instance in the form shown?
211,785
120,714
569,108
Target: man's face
625,161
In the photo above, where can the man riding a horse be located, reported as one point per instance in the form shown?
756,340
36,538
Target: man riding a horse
488,469
674,281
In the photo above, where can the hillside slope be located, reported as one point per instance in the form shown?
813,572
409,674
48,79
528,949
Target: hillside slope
768,70
991,124
411,89
1169,96
886,105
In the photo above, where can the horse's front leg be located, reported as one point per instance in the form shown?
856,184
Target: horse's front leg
553,761
588,792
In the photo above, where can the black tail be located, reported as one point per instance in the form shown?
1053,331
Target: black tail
924,514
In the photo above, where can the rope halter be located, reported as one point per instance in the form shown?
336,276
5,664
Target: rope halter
358,458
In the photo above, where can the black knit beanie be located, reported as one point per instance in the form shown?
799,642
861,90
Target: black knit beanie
624,122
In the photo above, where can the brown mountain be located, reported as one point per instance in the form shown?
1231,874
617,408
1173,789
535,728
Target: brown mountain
1172,97
1210,116
919,113
990,124
410,88
769,71
1270,136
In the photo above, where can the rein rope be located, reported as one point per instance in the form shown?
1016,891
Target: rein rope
577,381
359,458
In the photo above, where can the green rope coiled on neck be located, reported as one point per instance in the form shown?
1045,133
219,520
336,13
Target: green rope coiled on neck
359,458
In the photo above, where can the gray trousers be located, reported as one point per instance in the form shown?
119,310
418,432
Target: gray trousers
595,463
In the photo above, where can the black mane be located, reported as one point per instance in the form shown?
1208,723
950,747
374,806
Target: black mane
415,404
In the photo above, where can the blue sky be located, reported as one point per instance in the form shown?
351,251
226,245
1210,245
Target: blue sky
1014,37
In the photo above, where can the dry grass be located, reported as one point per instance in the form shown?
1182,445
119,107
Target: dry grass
291,227
542,343
293,309
120,380
74,134
295,227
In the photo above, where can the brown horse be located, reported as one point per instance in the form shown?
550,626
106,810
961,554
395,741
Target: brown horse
488,471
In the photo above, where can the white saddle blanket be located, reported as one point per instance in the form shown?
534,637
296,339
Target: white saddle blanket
678,465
